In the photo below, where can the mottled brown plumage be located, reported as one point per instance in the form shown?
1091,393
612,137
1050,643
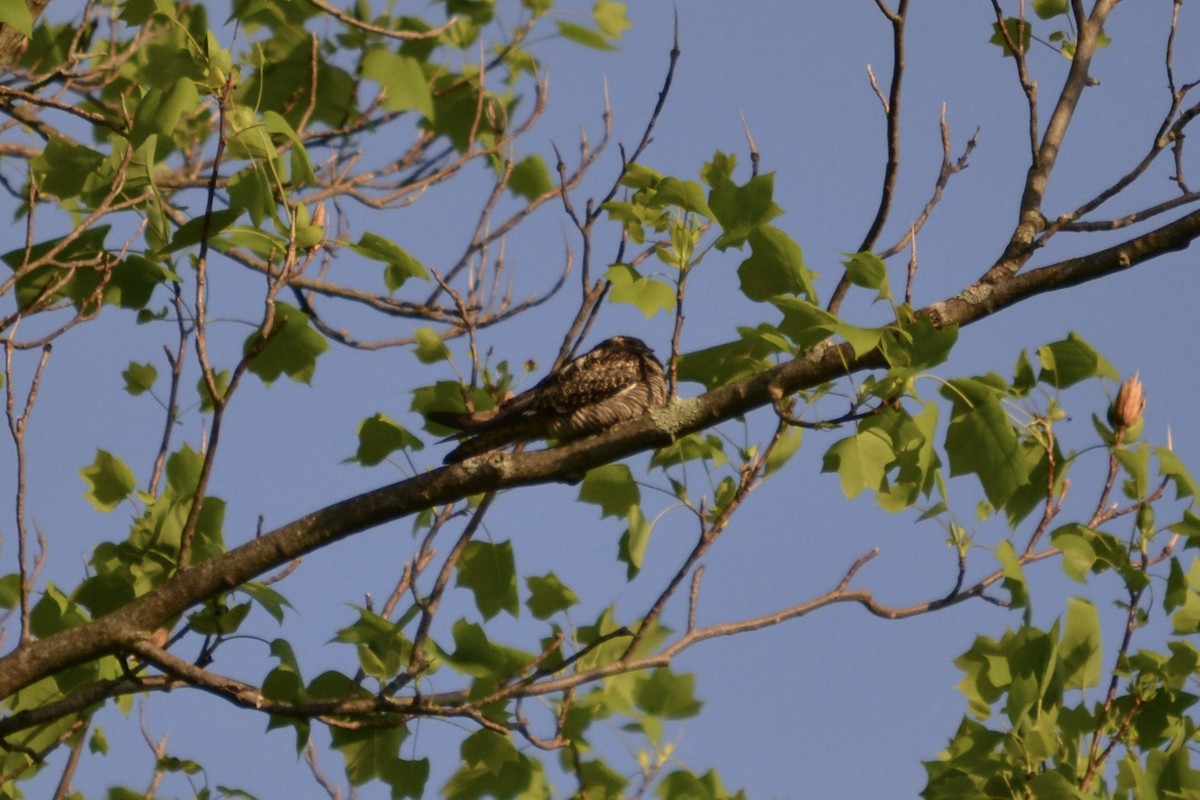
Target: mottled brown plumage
618,380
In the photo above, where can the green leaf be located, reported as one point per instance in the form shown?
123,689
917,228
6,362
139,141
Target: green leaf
250,190
530,178
601,780
1072,360
302,171
16,14
548,596
380,643
1079,653
54,612
10,590
1170,466
682,785
430,347
1046,9
110,481
476,656
270,600
1136,463
686,195
693,447
860,461
490,572
631,549
65,169
42,284
291,350
741,209
191,232
97,743
1019,31
367,752
775,266
402,80
1014,575
183,470
221,380
401,266
136,12
724,363
492,767
612,488
380,436
139,378
160,109
861,340
803,322
582,35
981,440
1078,553
918,344
667,695
611,19
133,280
1186,618
787,446
1188,526
406,778
1023,377
648,296
1177,587
216,618
868,271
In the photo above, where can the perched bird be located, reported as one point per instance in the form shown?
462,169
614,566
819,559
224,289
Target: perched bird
617,380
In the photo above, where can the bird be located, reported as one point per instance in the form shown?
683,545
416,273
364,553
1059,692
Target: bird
618,380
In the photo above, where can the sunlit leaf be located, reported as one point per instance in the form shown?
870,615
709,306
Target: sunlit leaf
612,488
292,348
981,440
665,694
741,209
648,295
489,571
1080,654
775,266
1067,362
139,378
548,595
401,266
110,481
530,178
402,79
379,436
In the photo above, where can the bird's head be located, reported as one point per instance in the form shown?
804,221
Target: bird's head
626,344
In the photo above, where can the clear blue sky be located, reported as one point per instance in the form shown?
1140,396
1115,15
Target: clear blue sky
835,705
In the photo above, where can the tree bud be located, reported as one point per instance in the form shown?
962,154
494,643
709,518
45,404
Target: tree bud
1126,410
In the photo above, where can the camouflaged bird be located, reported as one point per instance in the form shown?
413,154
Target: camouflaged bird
617,380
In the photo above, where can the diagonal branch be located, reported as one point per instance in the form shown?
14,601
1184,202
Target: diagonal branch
117,631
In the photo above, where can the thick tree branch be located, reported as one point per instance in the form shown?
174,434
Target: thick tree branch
120,630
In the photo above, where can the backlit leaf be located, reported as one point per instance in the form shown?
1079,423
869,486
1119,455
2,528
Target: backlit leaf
139,378
981,440
292,349
548,595
110,481
380,436
649,296
612,488
490,572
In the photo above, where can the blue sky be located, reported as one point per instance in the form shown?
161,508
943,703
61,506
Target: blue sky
837,704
